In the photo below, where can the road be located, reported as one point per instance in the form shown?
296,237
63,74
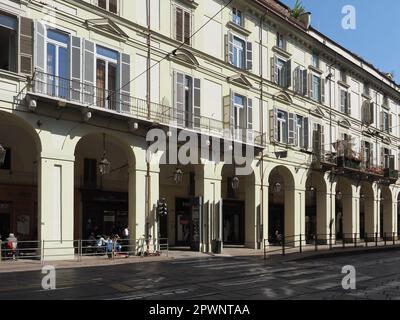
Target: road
217,278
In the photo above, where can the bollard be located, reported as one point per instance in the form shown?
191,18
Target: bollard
355,240
316,242
366,240
265,251
384,238
394,241
283,245
376,239
301,247
330,241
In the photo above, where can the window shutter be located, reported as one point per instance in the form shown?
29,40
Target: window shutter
125,92
227,111
371,154
288,73
89,70
391,160
349,103
306,134
381,120
179,24
76,72
296,80
322,90
390,122
382,157
317,141
310,86
274,70
249,56
273,125
179,98
250,120
197,103
229,46
291,128
322,139
371,113
40,79
342,100
188,27
304,82
26,45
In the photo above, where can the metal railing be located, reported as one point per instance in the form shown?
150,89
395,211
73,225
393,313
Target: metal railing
308,243
85,94
77,250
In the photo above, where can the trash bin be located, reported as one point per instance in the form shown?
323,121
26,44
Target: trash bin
217,246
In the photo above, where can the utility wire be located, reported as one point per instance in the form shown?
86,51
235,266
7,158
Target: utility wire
166,56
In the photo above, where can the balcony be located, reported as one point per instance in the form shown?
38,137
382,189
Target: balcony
80,95
391,174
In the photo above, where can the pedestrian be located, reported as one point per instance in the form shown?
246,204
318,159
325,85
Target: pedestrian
12,246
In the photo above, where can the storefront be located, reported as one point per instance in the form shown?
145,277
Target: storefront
104,213
188,222
18,212
233,222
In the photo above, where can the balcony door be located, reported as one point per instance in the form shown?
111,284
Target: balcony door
57,74
106,78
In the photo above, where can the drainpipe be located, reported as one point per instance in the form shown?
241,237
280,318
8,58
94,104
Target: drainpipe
261,232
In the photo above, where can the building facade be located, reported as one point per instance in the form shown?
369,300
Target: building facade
84,82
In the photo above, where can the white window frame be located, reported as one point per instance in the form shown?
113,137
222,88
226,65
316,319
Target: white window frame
108,6
280,125
317,98
282,80
235,12
299,140
174,8
315,60
244,60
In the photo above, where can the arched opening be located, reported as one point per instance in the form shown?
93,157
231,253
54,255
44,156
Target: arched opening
367,210
343,216
281,206
316,204
240,216
19,179
101,186
386,217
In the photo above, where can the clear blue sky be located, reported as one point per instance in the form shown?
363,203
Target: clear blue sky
376,37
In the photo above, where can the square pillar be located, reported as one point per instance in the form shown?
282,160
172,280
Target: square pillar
56,208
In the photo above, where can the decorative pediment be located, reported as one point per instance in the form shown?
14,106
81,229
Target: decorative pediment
316,111
106,25
386,140
186,57
283,97
241,80
345,123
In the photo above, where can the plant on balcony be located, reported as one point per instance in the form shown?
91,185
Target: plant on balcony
347,157
374,170
297,10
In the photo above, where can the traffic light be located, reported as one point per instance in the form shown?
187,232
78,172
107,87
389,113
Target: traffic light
162,208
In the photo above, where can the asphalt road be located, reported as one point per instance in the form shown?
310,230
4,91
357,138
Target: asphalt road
217,278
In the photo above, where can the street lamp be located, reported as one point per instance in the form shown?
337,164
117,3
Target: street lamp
3,153
277,187
178,176
339,195
104,164
235,183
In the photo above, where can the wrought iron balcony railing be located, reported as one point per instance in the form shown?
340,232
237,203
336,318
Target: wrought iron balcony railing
85,95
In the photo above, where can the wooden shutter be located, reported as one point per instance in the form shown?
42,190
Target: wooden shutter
197,103
88,72
382,159
390,122
26,45
76,71
348,103
188,27
273,125
310,86
125,78
304,82
227,111
322,90
229,53
249,56
322,139
249,120
381,120
179,24
288,73
179,98
317,141
296,80
40,83
306,134
292,129
371,113
274,69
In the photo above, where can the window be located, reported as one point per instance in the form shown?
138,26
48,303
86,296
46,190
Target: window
367,113
240,52
282,126
239,47
299,142
280,41
386,121
281,72
343,76
385,157
315,60
300,81
106,77
367,154
318,139
9,41
109,5
57,72
345,101
238,111
366,90
187,100
385,102
7,160
316,88
183,25
237,17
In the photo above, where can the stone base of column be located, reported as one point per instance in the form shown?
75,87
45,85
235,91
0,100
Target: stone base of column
56,251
